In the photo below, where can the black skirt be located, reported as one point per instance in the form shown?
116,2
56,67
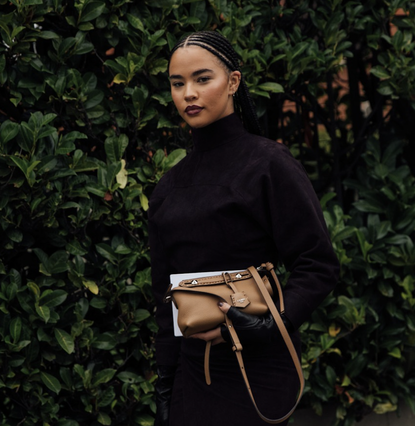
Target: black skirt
271,373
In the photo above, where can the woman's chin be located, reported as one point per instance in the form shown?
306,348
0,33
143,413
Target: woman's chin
196,124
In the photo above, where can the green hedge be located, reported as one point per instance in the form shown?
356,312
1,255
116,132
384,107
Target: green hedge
87,130
360,343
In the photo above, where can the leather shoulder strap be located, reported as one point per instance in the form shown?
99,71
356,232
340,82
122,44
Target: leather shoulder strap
287,339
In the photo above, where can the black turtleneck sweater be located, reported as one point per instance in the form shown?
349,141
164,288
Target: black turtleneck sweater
238,200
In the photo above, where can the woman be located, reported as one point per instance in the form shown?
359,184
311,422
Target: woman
235,201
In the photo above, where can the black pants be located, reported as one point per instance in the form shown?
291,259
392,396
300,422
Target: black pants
271,372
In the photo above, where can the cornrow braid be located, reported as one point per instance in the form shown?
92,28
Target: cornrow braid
220,46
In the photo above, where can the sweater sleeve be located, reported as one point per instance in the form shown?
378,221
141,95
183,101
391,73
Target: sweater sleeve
283,200
167,345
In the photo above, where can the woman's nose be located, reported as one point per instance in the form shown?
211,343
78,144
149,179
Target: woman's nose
190,92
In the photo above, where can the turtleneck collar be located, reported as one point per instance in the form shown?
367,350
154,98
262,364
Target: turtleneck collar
217,133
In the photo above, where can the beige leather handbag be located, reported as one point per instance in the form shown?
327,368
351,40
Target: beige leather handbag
197,299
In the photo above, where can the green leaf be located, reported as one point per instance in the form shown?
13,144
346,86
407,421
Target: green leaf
192,20
107,397
113,149
144,420
16,361
396,353
91,286
135,22
35,289
164,122
32,165
326,198
120,78
104,418
383,228
271,87
66,376
10,291
104,376
346,232
381,171
98,303
51,382
46,131
21,345
94,99
397,239
84,47
74,247
368,207
8,131
364,245
58,262
107,252
15,235
141,315
53,298
144,202
164,99
128,377
157,66
66,422
122,176
92,11
379,72
355,366
48,35
73,136
43,312
173,158
21,163
386,407
47,164
26,167
96,190
123,249
105,341
346,381
65,340
298,49
15,328
386,90
85,27
385,288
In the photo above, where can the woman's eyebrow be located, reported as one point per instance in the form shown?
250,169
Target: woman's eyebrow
194,74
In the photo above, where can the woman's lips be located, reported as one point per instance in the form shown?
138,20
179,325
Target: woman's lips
193,110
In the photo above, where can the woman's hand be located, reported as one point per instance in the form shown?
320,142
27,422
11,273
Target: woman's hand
253,329
214,335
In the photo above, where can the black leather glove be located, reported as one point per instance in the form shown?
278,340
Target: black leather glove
164,389
252,328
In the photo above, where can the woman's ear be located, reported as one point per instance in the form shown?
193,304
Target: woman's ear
234,81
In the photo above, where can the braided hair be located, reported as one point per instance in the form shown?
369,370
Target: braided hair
219,46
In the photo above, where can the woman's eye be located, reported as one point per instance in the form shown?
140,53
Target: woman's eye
177,84
204,79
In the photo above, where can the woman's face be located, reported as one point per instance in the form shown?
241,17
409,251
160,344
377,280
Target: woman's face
201,87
